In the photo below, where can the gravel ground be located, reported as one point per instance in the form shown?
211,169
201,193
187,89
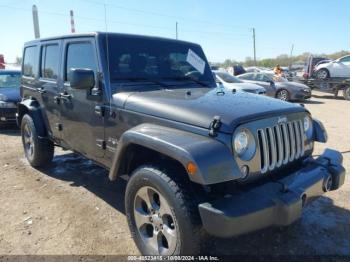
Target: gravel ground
72,208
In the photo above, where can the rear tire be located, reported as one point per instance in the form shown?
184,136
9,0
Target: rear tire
162,215
322,74
283,95
38,151
346,93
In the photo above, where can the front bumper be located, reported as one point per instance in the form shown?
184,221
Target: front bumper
8,115
277,203
302,95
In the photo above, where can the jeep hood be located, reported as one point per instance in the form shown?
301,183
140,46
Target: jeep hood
198,106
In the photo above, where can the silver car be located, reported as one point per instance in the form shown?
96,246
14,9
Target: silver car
232,82
278,87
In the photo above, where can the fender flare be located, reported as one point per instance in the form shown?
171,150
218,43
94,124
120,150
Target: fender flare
213,158
32,107
320,132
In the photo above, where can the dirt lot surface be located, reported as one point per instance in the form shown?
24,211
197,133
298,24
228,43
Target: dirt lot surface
72,208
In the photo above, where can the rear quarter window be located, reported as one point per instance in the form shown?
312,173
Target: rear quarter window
30,61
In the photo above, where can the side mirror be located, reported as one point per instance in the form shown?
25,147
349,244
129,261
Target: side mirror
80,78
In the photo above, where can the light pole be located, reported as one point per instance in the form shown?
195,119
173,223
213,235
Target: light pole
36,21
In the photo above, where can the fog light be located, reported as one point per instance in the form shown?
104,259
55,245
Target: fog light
3,118
244,171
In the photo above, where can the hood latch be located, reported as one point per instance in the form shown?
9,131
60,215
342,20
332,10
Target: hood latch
215,126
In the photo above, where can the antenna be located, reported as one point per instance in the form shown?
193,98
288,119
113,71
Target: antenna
107,53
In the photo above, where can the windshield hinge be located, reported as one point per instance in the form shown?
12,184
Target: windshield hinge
215,126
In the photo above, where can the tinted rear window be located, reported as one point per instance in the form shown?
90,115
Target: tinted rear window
30,61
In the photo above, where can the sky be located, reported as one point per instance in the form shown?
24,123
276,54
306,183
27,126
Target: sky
223,28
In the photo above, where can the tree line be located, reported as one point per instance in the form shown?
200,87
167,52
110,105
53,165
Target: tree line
283,60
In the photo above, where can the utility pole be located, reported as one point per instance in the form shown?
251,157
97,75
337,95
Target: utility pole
291,57
72,25
177,35
36,21
254,46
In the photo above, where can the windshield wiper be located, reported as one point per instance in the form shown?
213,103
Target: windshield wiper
187,79
141,79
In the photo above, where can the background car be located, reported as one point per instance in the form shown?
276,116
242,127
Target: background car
236,70
310,66
257,69
336,68
9,95
278,87
232,82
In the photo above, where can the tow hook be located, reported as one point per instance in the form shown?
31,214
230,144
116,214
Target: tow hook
327,184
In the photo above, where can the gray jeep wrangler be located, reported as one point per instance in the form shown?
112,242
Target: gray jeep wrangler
197,158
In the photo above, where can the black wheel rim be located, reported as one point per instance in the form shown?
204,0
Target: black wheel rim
282,95
322,74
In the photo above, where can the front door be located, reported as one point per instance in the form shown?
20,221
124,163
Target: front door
342,68
83,128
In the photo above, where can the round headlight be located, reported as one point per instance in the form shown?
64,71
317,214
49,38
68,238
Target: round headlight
307,123
241,142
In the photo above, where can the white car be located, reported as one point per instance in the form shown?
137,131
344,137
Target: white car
232,82
336,68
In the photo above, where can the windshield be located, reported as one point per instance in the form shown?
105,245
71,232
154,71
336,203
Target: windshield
226,77
139,59
10,80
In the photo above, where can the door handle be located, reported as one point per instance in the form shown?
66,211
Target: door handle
56,100
41,90
65,96
99,110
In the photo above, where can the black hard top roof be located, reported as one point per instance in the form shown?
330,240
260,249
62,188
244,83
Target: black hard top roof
95,34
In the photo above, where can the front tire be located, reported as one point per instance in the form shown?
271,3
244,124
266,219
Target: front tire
163,217
39,152
283,95
322,74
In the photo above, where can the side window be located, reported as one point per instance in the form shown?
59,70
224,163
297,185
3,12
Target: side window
266,79
30,61
50,61
260,77
246,77
345,60
80,55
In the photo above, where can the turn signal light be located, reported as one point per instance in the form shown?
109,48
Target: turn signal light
191,168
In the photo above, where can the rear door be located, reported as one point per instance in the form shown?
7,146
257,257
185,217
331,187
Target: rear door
50,84
83,128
